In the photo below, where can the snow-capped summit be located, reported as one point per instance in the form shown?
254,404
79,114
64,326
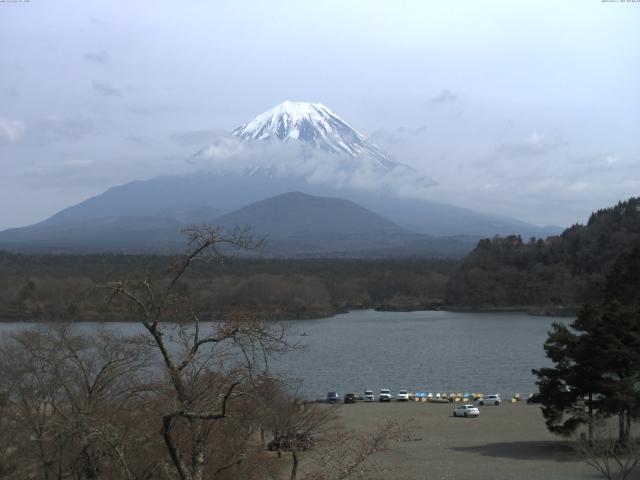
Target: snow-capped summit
304,144
315,125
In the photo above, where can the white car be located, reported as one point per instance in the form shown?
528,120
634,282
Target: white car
490,400
368,396
403,396
385,395
466,411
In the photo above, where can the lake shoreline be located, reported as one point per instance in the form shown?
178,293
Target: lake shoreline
536,311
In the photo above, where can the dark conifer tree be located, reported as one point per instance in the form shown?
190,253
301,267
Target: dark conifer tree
596,359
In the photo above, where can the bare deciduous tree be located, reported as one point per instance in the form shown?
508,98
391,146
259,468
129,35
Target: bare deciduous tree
71,401
606,454
344,455
294,424
208,367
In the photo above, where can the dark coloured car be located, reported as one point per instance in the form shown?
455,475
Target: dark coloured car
535,398
350,398
332,397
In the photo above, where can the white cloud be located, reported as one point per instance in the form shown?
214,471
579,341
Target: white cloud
229,155
445,96
194,138
11,130
101,57
532,145
578,186
78,162
106,89
222,153
45,130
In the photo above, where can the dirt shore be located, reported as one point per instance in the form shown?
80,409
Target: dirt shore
505,442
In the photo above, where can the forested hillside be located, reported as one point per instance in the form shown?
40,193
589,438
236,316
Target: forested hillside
561,272
53,287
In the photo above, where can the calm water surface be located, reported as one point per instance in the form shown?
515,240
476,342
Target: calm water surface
421,351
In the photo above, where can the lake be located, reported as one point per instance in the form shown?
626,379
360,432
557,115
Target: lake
432,351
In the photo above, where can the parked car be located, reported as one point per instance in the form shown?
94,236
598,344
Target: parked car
301,441
490,400
403,396
332,397
535,398
385,395
469,410
350,398
368,396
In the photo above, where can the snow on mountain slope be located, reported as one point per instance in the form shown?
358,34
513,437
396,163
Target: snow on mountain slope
308,144
315,125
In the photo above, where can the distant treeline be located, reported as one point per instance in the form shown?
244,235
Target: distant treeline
51,287
561,272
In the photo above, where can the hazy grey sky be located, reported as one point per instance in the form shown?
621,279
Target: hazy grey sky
528,108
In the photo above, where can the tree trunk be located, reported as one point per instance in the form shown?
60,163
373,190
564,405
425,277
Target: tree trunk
89,469
622,438
590,418
197,454
43,461
173,451
294,468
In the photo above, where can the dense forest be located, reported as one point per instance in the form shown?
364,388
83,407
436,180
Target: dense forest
556,274
50,287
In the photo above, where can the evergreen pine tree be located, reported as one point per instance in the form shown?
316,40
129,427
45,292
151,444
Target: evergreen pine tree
596,370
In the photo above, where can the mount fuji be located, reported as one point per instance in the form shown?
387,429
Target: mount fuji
309,142
317,127
293,147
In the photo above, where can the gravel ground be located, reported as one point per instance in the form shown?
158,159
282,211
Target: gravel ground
505,442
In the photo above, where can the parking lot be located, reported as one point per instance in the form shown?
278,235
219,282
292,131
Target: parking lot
505,442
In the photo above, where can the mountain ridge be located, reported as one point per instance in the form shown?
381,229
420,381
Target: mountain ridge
294,223
297,213
348,167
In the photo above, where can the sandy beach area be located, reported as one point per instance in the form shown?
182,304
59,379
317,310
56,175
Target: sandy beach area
509,441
